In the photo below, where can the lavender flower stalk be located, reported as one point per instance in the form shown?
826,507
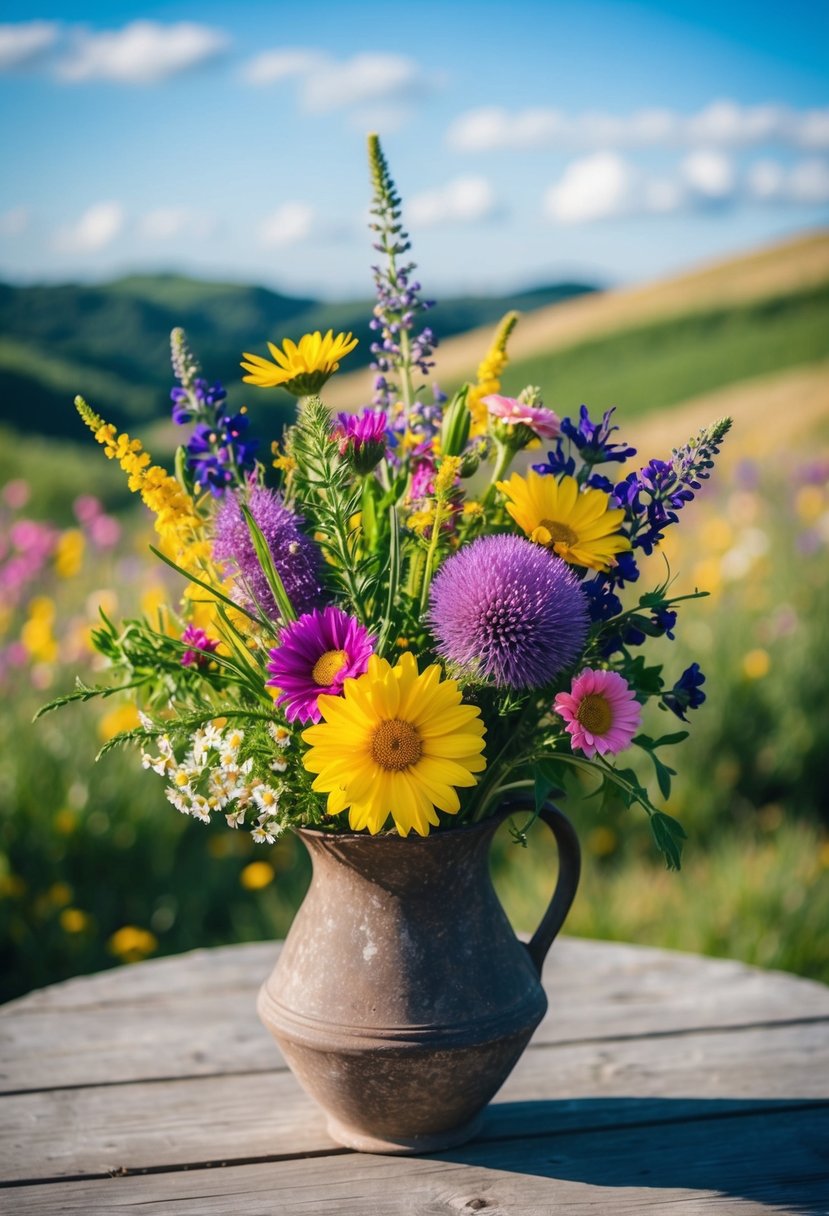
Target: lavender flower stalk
400,348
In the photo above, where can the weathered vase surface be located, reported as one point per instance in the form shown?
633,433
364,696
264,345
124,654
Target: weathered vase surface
402,997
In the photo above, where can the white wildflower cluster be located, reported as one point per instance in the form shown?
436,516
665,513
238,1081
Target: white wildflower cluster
211,778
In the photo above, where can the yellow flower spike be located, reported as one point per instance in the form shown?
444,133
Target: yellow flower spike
489,374
577,525
300,368
397,743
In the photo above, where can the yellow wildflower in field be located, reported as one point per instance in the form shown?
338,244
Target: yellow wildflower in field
69,553
256,875
300,368
489,374
397,742
37,635
131,944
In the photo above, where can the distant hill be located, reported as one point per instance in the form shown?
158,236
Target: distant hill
111,342
647,337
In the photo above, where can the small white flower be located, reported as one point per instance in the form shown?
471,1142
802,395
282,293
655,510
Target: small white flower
236,819
145,720
280,734
279,765
266,831
162,765
199,749
212,736
200,808
266,798
179,800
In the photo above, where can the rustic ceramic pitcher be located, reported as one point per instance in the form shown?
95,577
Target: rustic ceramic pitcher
402,997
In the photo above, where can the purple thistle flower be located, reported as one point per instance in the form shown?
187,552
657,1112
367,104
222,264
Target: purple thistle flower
505,609
295,556
686,693
201,647
362,438
315,655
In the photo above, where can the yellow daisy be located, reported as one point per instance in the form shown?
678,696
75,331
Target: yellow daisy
576,524
397,742
301,369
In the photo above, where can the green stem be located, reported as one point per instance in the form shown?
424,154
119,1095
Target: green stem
502,463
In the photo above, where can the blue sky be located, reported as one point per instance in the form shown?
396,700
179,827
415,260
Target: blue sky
529,140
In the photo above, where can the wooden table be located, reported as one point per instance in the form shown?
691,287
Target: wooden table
658,1082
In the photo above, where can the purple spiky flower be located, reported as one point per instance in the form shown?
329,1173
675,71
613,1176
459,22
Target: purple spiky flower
506,609
295,556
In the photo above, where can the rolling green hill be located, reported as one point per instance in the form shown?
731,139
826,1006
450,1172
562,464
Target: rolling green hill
110,342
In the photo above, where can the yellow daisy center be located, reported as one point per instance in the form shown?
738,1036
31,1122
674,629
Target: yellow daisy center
328,666
559,532
396,745
595,715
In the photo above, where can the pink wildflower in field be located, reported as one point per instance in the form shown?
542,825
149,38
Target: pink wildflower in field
601,712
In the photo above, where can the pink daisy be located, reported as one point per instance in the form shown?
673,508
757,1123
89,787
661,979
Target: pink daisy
316,654
545,423
601,712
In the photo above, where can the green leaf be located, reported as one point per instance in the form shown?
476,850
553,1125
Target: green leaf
213,592
265,559
669,835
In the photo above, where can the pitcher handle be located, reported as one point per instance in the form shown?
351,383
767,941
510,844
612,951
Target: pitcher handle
569,870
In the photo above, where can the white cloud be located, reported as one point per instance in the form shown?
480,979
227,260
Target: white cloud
462,200
593,188
23,44
605,185
722,124
329,84
167,223
270,67
98,227
804,184
290,224
143,52
709,175
14,222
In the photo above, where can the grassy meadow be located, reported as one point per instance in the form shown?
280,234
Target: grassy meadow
97,869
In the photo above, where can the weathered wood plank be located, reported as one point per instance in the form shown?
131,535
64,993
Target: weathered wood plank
194,1015
553,1089
751,1165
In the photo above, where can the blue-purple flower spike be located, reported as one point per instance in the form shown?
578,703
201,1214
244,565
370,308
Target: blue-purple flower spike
218,454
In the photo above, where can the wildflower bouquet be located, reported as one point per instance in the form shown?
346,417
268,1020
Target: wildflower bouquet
386,627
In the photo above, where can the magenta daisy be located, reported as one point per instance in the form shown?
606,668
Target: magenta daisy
316,654
601,712
543,422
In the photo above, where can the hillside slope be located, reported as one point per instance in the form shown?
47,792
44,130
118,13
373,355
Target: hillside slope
790,268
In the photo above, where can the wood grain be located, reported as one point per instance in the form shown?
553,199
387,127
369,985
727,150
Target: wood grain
194,1015
656,1082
